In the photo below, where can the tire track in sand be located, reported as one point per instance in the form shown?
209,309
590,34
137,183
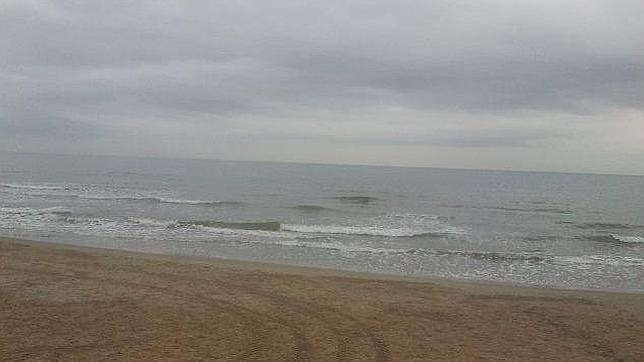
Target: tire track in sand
344,327
250,318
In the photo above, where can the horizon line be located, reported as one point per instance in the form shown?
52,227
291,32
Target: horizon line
195,158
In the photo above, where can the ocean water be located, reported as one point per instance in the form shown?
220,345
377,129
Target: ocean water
548,229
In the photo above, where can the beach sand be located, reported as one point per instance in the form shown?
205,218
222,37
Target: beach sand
72,303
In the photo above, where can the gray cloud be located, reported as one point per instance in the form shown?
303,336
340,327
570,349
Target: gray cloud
438,74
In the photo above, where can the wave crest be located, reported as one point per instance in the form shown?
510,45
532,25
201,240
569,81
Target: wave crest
56,210
606,226
33,187
363,230
310,208
258,225
358,200
94,192
618,239
160,200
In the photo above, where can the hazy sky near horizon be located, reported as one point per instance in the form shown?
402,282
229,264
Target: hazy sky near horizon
502,84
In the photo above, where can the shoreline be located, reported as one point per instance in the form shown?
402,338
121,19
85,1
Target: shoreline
320,270
66,301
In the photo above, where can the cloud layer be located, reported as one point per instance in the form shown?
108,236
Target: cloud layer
495,84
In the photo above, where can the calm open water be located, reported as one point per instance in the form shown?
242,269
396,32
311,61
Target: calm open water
550,229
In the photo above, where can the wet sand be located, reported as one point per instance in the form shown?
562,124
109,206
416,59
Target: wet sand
71,303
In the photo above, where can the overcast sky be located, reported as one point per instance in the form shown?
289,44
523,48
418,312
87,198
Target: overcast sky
527,85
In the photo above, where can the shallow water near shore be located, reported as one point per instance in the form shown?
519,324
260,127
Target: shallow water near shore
548,229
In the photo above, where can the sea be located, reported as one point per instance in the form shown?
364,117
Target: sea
563,230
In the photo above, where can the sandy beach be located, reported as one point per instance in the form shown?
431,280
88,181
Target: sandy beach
70,303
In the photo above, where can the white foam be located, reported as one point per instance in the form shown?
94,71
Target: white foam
91,192
629,239
610,260
187,202
154,222
57,210
355,230
134,197
33,187
236,232
395,225
345,248
33,211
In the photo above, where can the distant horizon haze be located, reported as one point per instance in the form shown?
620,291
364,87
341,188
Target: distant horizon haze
321,163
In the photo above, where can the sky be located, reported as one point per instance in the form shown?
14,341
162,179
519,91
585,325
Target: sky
497,84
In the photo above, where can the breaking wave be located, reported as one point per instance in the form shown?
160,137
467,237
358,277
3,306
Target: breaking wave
33,187
25,211
260,225
613,238
93,192
159,200
368,230
394,226
389,226
60,219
